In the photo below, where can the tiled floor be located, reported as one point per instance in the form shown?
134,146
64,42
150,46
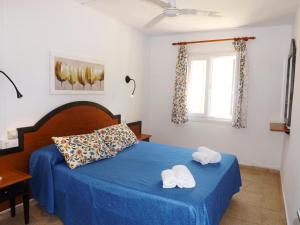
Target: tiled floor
258,203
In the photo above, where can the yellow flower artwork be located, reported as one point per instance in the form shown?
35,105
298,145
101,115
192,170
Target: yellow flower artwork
74,75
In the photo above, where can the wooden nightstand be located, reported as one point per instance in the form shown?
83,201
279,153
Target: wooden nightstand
12,184
136,128
144,137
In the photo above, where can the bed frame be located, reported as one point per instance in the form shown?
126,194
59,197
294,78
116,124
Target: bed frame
69,119
72,118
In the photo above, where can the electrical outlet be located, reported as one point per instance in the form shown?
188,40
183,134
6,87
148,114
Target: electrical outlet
4,144
12,134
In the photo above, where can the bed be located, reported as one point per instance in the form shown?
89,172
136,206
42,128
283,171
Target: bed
126,189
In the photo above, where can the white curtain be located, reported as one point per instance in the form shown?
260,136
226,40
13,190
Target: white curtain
180,112
239,119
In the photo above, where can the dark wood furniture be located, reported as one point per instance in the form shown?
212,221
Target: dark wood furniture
144,137
12,184
136,127
279,127
69,119
72,118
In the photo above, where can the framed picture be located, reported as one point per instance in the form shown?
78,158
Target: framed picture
71,74
289,91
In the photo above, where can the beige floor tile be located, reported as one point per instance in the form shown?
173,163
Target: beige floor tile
270,217
249,175
227,220
251,198
244,211
273,202
271,179
252,187
259,201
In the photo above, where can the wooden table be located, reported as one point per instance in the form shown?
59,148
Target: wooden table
144,137
12,184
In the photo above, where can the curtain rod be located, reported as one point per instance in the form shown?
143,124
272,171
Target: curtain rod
216,40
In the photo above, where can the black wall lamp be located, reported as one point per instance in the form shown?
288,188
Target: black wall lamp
127,80
19,95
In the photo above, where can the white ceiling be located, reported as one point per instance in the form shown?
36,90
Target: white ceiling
236,13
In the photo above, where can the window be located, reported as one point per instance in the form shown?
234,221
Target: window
211,81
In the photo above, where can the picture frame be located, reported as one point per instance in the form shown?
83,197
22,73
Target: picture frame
290,79
72,74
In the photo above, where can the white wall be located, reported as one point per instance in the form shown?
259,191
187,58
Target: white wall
30,29
2,79
255,145
291,152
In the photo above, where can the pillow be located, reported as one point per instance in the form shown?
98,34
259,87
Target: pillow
82,149
117,137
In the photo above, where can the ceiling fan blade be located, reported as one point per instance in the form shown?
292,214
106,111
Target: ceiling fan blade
159,3
155,20
214,14
188,11
209,13
197,11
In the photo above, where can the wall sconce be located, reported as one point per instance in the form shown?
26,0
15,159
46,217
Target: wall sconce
127,80
19,95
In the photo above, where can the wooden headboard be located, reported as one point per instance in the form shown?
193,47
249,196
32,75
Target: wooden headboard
72,118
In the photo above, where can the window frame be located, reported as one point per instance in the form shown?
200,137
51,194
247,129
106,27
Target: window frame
209,58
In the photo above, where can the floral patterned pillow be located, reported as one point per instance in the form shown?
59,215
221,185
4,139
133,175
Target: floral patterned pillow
117,137
82,149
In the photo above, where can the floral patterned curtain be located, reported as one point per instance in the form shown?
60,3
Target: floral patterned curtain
179,112
239,119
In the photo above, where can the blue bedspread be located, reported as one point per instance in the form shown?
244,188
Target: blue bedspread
127,189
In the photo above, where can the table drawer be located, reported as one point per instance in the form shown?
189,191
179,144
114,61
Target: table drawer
3,195
12,190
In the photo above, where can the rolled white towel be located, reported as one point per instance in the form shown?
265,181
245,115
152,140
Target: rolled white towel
205,155
184,177
215,156
168,178
201,157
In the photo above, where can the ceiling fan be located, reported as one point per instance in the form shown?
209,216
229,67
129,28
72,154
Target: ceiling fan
170,10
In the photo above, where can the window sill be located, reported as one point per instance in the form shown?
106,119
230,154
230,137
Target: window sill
209,120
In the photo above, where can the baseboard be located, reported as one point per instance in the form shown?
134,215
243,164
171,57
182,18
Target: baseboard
284,202
260,168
